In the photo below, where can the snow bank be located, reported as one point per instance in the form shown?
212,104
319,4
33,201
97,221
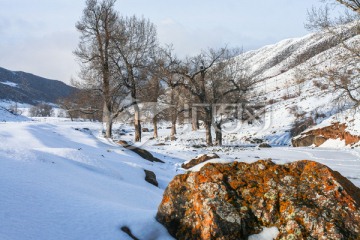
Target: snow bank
216,160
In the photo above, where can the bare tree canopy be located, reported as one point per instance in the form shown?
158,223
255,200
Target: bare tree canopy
352,4
134,52
97,28
343,72
115,54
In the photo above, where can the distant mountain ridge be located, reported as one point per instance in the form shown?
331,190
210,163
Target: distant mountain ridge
28,88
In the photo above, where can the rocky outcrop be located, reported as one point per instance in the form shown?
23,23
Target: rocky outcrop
141,152
318,136
304,200
199,159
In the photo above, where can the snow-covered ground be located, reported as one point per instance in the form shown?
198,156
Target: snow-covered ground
62,180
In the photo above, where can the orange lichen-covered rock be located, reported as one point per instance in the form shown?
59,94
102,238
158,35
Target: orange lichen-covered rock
304,200
319,136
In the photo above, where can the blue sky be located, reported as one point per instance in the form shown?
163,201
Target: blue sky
39,36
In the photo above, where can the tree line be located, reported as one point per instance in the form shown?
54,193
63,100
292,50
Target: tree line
126,72
123,67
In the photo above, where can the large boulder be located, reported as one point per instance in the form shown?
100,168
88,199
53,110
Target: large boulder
199,159
317,137
304,200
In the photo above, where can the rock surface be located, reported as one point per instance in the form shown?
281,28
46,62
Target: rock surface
304,200
141,152
150,177
264,145
200,159
319,136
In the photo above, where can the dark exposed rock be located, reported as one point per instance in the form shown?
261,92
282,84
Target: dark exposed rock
145,130
141,152
264,145
304,200
318,136
200,159
199,146
128,232
159,144
150,177
255,140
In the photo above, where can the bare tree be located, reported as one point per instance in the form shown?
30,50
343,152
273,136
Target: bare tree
97,28
134,49
343,72
167,65
82,104
41,110
229,91
211,77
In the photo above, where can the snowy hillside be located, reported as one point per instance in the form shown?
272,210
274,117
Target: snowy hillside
289,93
7,116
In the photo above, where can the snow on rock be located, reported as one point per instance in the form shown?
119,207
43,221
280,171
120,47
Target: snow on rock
333,143
198,160
266,234
337,131
198,167
350,117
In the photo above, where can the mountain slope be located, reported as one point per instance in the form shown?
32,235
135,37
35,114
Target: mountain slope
293,96
28,88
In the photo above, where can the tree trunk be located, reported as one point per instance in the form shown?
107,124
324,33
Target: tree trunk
108,121
218,134
194,119
155,122
109,128
137,123
173,126
70,115
208,122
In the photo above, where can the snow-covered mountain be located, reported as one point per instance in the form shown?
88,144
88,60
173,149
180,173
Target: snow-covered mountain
291,95
28,88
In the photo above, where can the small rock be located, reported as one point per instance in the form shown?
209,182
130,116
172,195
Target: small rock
150,177
264,145
141,152
159,144
145,130
199,146
128,232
